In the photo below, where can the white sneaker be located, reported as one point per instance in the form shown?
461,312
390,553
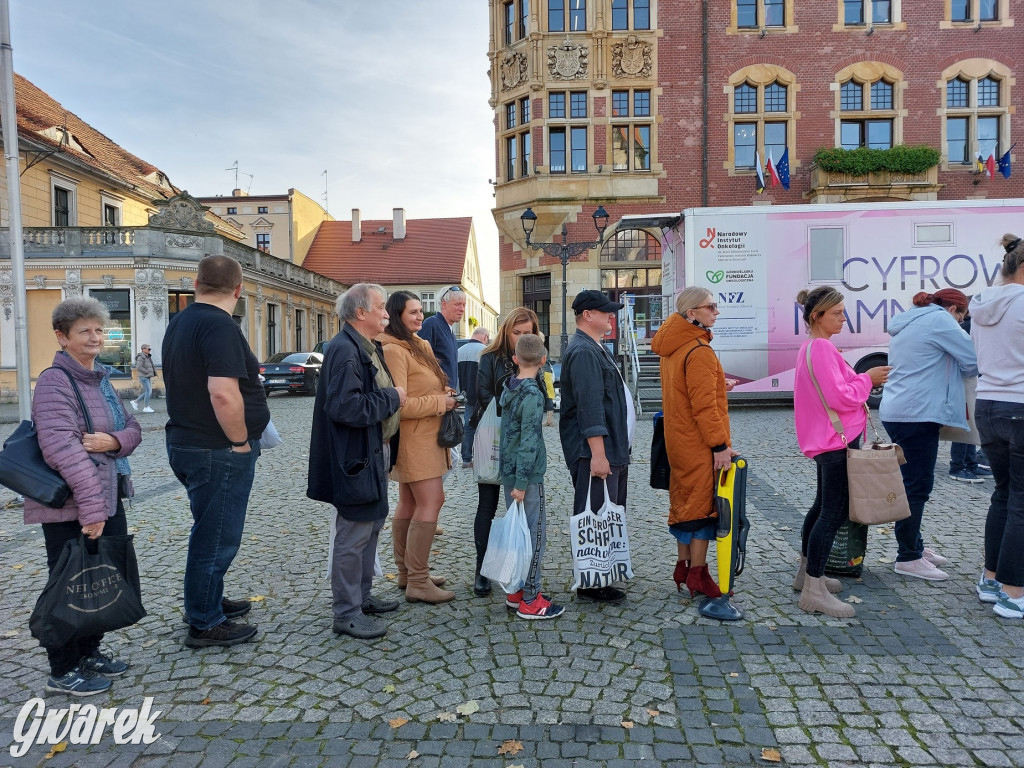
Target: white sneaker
147,409
934,557
135,406
920,569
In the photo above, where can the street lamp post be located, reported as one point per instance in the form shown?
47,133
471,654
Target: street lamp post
564,251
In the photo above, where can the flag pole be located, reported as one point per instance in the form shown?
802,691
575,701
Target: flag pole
9,121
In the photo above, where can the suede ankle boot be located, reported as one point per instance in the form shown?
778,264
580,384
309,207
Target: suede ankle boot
681,572
699,581
420,588
815,598
832,585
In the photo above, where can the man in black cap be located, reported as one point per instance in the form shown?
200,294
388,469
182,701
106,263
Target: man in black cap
597,417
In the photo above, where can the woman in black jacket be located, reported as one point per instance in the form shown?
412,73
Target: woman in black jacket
496,367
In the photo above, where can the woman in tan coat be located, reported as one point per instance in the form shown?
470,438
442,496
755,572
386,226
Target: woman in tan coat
696,432
421,462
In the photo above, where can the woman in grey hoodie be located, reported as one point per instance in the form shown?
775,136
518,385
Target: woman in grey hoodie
997,331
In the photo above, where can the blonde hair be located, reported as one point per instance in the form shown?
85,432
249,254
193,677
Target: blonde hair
817,302
691,298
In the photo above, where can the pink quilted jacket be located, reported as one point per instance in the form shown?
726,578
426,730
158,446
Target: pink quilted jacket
60,426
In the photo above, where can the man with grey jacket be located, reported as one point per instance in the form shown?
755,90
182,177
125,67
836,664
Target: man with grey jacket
146,371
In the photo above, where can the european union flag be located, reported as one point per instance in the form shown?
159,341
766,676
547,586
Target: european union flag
782,168
1004,163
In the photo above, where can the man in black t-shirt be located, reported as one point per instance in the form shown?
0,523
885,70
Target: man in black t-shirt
217,411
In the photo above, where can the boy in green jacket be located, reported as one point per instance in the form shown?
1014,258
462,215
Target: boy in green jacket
523,463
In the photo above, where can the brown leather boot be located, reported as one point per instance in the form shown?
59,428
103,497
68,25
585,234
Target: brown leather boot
399,536
417,554
832,585
816,599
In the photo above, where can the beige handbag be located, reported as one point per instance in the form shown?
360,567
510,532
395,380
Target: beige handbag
877,493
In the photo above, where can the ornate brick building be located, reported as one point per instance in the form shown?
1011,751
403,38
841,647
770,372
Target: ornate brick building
659,105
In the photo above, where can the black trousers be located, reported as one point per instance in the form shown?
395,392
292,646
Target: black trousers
64,658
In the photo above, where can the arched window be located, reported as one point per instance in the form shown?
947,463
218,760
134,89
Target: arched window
869,106
977,115
762,116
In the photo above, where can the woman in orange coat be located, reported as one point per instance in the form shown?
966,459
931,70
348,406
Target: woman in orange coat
421,462
696,431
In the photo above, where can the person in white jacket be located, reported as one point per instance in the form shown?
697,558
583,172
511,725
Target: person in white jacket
997,330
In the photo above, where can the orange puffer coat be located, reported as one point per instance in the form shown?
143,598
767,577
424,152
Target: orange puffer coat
696,415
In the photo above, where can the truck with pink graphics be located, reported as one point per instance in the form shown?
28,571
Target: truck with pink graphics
756,259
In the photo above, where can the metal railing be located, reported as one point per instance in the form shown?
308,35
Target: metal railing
630,352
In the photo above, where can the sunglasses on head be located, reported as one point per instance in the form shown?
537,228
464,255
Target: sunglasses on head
451,289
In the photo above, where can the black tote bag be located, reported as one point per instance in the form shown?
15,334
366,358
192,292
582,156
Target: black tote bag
660,469
94,588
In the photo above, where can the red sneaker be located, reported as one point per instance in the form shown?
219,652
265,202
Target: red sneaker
539,608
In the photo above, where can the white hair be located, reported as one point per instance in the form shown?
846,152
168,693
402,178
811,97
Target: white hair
357,297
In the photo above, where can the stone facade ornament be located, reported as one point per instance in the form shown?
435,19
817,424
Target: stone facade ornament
513,70
567,61
182,241
7,293
632,58
72,282
150,291
181,212
187,284
108,281
40,280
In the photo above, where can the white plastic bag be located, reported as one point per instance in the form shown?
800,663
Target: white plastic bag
509,549
487,448
600,545
270,438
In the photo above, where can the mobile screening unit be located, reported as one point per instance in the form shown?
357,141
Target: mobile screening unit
755,259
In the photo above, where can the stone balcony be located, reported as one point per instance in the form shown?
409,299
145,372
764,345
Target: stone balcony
831,187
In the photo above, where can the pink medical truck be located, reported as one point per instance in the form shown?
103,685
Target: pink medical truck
756,259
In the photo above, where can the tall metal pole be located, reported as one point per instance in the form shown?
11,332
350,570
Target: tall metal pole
564,340
9,121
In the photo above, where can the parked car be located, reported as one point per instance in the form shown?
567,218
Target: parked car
292,372
321,347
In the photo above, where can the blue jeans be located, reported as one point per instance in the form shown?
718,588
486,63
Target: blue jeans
920,444
469,434
147,391
218,482
536,519
962,456
1001,426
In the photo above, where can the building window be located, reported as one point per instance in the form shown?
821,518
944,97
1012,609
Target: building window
510,23
762,116
631,245
232,211
631,142
177,301
320,329
578,104
517,145
754,14
525,147
262,209
556,105
556,15
641,14
429,302
510,115
300,339
556,150
578,148
974,10
524,110
515,20
263,241
117,342
511,144
111,215
63,207
859,12
537,296
867,114
577,15
975,114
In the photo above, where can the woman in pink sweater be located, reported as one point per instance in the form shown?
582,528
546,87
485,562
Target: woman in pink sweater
845,392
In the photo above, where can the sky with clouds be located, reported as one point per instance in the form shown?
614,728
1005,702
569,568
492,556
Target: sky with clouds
388,96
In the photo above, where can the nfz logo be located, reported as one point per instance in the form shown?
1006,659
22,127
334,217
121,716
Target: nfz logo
709,241
731,297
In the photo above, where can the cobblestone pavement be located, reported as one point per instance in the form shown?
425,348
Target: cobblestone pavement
925,675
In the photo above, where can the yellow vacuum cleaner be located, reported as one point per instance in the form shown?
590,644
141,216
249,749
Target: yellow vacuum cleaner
731,504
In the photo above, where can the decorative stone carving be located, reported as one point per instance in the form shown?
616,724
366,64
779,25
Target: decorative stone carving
108,281
567,61
632,58
182,241
150,291
72,282
7,293
40,280
181,212
259,303
513,70
187,284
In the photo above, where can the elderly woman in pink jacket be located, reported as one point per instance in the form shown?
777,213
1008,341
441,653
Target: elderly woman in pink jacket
93,464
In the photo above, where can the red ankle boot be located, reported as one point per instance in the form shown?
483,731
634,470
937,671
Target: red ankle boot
699,580
681,572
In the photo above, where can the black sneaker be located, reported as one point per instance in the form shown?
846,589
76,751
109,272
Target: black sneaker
376,604
78,682
103,664
224,635
235,608
602,595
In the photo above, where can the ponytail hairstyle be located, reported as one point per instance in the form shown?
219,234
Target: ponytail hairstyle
947,297
395,306
817,302
1014,257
